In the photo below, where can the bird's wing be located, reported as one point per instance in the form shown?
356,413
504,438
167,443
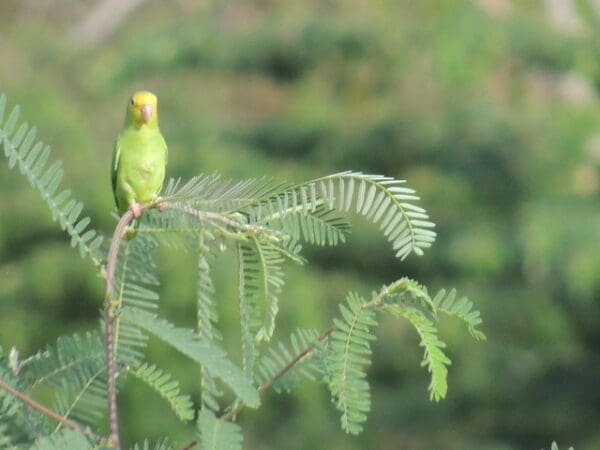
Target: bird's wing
164,144
115,168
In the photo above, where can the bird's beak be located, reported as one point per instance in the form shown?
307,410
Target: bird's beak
147,111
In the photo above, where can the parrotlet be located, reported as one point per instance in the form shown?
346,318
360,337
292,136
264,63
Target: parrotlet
140,155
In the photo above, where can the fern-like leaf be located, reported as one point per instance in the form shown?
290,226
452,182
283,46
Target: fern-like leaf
207,319
31,156
269,262
248,288
461,308
202,352
434,357
408,299
349,352
383,200
216,434
167,388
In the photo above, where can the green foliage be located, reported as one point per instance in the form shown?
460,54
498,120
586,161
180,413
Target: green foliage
187,342
434,358
62,440
32,159
462,309
167,388
350,352
18,423
489,108
382,200
216,434
208,317
265,222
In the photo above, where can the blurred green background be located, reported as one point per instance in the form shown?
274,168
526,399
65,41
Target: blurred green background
489,108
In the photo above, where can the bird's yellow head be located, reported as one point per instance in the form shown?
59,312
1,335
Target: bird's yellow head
142,109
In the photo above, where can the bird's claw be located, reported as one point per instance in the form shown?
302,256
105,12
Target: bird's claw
136,209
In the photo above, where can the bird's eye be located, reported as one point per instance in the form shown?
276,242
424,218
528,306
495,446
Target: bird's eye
132,101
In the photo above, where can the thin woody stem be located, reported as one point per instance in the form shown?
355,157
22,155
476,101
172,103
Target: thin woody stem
45,410
267,384
109,332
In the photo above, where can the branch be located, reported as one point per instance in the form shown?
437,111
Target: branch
109,332
46,411
240,230
267,384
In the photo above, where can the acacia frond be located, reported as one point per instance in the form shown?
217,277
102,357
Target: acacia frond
21,148
207,309
279,356
267,260
462,308
207,319
64,439
383,200
434,357
304,211
410,300
202,352
249,316
167,388
216,434
349,352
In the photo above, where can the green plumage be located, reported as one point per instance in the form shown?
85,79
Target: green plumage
140,155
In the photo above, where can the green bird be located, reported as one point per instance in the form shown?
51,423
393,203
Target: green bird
140,156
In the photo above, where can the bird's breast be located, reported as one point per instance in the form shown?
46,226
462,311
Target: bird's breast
148,166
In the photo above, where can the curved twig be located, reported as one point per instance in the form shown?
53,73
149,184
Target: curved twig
109,337
47,411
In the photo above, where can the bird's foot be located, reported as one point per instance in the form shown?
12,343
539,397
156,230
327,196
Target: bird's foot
159,203
135,208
